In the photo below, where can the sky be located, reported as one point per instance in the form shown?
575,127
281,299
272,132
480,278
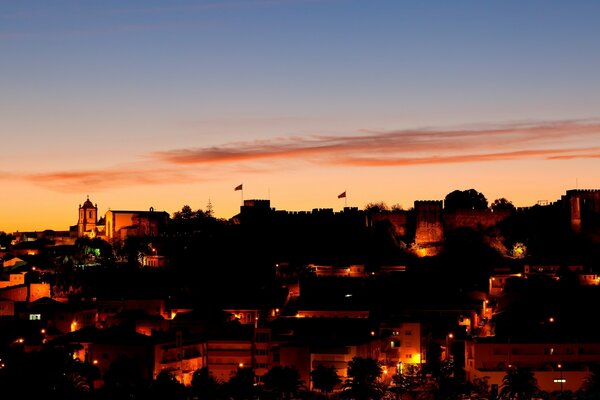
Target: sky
162,104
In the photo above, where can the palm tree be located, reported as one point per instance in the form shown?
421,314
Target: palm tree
204,385
481,386
283,380
591,385
166,386
518,383
241,385
325,378
362,379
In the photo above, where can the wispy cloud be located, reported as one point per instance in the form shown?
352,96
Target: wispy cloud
75,181
596,154
556,141
468,158
405,147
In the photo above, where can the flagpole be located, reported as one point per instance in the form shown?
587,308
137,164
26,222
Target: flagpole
240,187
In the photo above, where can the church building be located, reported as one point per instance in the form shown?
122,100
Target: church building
119,224
88,219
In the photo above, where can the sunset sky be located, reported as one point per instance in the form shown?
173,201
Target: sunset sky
160,104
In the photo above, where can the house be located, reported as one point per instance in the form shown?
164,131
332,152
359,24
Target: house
26,292
550,361
62,317
230,349
7,308
180,354
102,347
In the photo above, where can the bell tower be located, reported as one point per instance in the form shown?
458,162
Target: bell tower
88,217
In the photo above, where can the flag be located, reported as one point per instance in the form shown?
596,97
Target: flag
341,195
238,187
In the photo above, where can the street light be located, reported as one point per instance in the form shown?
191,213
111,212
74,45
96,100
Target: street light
561,380
449,338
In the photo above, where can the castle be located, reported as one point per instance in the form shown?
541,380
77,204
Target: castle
427,224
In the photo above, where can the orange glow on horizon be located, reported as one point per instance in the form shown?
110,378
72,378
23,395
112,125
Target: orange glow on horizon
554,162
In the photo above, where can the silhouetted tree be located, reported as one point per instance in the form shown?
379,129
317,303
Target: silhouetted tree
502,204
397,208
481,386
283,380
362,381
50,373
377,207
407,380
123,380
469,199
6,239
165,386
590,390
325,378
518,383
204,385
186,213
241,385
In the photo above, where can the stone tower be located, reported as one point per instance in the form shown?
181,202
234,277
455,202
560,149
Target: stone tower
582,207
88,217
429,229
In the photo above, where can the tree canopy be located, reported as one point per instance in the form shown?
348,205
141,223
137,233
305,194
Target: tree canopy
325,378
518,383
362,381
469,199
502,204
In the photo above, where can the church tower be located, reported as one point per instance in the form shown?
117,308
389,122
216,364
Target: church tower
88,217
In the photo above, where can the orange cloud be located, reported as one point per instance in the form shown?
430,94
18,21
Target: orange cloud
465,158
583,155
75,181
551,141
498,143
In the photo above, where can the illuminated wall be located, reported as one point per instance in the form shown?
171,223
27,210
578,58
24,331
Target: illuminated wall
121,224
493,360
226,356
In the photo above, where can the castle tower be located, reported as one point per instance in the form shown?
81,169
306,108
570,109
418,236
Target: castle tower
88,217
582,207
429,230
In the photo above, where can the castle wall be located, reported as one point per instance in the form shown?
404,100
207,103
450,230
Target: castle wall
399,221
475,219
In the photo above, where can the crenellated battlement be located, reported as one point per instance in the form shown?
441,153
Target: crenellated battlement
435,203
575,191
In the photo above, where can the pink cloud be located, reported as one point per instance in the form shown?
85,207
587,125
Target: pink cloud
75,181
465,158
551,141
504,142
